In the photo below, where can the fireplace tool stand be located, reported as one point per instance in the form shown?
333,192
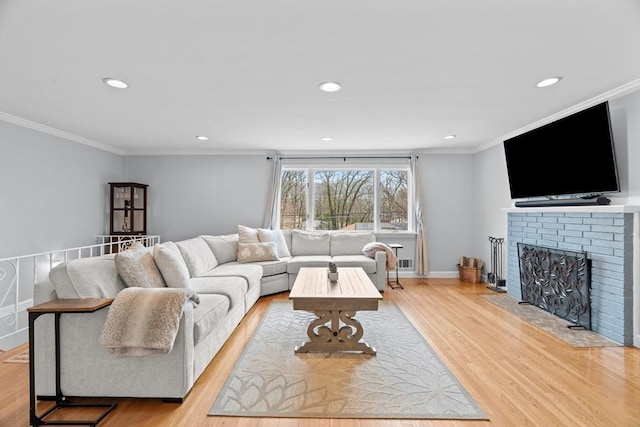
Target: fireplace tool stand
495,276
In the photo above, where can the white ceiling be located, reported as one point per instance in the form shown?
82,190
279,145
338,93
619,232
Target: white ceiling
246,73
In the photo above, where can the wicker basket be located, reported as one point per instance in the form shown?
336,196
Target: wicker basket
470,274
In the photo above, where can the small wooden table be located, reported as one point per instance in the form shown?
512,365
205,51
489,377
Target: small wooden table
334,302
395,284
58,307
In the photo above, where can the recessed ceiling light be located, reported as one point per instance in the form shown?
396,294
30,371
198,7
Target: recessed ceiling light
202,138
449,137
548,82
326,139
330,86
118,84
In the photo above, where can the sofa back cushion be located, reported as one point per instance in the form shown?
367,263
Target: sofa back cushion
350,242
94,277
224,248
310,243
197,255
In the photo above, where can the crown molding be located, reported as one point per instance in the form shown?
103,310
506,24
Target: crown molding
58,133
618,92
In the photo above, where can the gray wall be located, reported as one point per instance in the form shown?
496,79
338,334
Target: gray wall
53,192
449,210
192,195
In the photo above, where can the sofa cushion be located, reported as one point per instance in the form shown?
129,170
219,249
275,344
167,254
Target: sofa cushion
310,243
295,263
251,252
211,310
271,268
277,237
197,255
94,277
173,269
367,264
251,273
225,247
137,267
350,242
231,287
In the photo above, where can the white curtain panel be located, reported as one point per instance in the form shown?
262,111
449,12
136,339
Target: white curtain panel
273,200
421,261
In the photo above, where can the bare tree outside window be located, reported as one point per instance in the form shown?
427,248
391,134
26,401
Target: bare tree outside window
394,200
343,199
293,199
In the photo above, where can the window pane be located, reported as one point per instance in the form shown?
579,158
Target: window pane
293,199
343,200
394,205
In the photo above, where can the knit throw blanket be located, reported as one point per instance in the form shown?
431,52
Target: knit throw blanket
370,250
143,321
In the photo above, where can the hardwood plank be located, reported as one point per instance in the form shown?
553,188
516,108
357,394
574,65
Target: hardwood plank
518,374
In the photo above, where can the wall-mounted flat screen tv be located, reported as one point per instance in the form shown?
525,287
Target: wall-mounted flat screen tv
574,155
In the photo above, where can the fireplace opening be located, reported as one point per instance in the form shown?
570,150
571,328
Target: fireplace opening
557,281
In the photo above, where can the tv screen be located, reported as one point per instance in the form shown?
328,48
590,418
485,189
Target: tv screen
573,155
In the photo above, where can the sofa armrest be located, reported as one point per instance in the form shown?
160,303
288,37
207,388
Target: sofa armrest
88,369
44,292
381,270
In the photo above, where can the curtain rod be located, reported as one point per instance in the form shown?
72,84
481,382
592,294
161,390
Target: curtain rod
344,158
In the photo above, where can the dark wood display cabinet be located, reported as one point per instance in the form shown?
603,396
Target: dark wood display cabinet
128,209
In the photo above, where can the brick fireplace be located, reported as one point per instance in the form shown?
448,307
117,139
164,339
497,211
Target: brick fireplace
606,233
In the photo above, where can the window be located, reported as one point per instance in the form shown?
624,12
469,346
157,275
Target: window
345,199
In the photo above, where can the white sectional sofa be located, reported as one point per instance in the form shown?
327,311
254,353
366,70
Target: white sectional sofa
227,290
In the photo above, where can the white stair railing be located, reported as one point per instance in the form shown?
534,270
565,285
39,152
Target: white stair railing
18,275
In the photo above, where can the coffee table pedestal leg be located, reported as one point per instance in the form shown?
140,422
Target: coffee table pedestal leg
335,338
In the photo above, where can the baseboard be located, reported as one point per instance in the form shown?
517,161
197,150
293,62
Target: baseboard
431,275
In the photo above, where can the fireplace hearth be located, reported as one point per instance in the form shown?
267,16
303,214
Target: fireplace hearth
557,281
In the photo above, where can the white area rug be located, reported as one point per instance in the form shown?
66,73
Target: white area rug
404,380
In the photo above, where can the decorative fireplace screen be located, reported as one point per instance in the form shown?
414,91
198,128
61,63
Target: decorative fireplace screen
557,281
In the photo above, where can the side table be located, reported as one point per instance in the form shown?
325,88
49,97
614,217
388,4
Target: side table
58,307
395,284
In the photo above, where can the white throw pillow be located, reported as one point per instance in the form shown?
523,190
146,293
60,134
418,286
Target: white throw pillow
137,267
247,234
254,252
174,272
277,237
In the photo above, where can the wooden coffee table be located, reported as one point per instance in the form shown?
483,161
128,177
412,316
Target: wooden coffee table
334,302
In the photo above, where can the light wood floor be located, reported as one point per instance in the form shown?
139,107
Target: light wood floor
518,374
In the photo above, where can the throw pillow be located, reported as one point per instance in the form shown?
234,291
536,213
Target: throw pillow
247,234
137,267
277,237
253,252
174,272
